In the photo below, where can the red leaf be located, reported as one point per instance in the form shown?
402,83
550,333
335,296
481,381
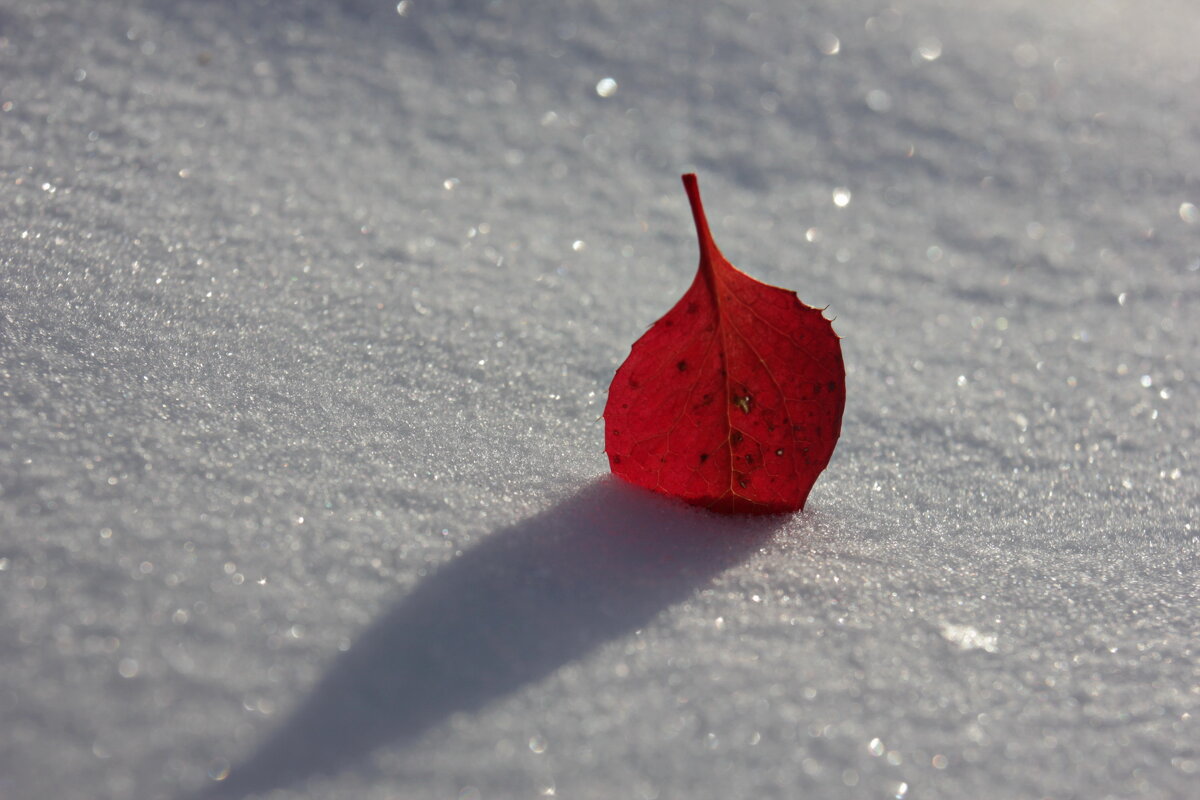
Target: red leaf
733,400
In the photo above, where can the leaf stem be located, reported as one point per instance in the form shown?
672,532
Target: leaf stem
707,246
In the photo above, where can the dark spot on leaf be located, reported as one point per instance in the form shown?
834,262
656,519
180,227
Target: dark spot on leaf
681,366
692,308
749,458
736,437
616,459
703,457
832,386
634,384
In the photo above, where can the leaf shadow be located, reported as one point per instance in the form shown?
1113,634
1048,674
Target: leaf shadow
525,601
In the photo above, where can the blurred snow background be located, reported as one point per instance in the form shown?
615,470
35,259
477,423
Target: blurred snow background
307,314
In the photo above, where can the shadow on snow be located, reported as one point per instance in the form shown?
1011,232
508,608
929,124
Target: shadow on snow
522,603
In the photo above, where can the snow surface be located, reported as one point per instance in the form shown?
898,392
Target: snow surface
307,314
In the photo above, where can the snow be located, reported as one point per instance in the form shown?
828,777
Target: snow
307,315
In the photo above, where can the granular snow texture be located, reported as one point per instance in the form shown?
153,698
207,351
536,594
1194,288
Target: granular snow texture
307,316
